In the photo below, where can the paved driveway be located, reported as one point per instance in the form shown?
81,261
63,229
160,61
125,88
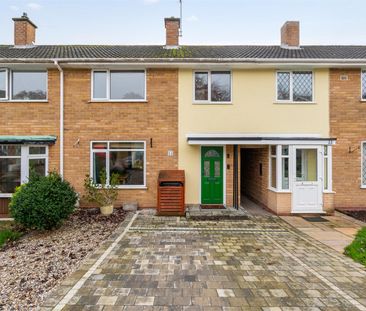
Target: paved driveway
173,264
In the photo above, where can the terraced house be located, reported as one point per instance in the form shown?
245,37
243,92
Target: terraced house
257,122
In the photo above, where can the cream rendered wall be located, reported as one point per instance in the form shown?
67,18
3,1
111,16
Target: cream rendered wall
253,110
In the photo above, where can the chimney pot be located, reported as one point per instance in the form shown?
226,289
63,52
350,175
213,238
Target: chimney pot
172,25
24,30
290,34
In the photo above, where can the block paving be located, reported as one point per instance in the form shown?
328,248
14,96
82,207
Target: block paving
170,263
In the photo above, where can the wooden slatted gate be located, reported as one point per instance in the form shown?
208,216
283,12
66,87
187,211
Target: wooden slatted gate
171,188
4,207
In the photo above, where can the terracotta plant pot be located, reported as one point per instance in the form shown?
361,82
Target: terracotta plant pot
106,210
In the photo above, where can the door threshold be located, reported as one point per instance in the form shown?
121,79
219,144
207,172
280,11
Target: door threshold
212,206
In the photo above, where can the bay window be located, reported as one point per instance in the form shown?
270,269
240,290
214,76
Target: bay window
119,85
16,163
302,165
212,86
124,158
294,86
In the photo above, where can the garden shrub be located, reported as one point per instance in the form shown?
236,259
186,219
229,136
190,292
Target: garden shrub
44,202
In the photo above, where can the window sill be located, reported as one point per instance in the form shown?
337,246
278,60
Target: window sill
329,191
212,103
24,101
5,195
363,100
118,101
294,103
131,188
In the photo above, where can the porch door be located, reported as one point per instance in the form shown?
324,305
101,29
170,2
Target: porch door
307,186
212,181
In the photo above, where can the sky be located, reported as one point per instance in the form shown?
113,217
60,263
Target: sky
204,21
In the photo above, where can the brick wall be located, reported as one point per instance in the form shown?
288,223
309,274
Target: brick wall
347,124
290,34
24,33
157,119
253,184
35,118
86,121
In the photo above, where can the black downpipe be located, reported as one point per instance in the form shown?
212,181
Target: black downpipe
235,181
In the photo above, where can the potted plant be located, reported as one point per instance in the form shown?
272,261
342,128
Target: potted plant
102,193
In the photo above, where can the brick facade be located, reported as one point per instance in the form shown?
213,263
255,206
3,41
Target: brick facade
156,119
35,118
347,124
85,121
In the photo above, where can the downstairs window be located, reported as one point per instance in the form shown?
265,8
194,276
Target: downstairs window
124,158
16,163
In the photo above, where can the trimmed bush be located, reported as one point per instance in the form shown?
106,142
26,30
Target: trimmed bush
43,203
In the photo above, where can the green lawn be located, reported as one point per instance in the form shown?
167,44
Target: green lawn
7,233
357,249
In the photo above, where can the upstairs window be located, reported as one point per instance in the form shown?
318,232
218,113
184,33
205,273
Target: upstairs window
23,85
119,85
295,86
212,86
29,85
363,79
3,84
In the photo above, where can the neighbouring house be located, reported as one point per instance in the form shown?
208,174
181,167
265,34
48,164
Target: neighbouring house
243,121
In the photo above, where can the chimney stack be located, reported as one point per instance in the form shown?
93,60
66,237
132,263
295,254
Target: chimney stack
172,25
24,30
290,34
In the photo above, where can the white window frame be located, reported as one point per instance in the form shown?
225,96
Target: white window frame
108,98
282,156
329,168
291,100
278,168
363,186
107,151
6,98
10,90
24,163
291,172
363,71
209,101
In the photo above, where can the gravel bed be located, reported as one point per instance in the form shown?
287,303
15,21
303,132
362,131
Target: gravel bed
358,214
33,265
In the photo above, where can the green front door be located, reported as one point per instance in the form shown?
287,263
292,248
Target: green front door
212,167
